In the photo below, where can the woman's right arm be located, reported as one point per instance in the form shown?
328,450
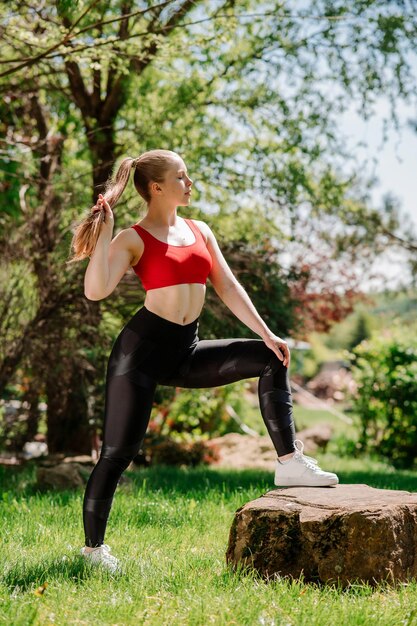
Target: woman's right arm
110,260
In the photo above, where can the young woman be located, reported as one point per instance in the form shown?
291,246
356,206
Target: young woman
173,257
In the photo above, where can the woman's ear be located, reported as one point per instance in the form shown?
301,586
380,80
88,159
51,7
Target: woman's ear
155,187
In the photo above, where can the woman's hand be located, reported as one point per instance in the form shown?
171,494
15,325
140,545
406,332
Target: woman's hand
280,347
107,215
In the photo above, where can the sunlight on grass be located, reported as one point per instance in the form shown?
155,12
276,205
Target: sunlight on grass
170,528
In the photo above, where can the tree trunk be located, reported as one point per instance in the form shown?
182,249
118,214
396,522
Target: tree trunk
102,148
32,397
68,429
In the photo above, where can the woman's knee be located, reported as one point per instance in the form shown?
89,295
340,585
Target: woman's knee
120,455
273,363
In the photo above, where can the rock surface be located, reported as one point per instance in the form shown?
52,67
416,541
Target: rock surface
82,459
61,476
339,534
247,451
68,475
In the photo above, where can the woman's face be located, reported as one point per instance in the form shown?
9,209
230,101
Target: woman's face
177,184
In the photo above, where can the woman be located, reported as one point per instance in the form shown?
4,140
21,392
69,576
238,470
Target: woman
173,256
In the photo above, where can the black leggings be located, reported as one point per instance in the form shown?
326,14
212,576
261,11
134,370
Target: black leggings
151,350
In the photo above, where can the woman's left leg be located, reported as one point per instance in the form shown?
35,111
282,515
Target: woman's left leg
216,362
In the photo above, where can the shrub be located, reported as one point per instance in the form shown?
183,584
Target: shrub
164,450
200,412
385,369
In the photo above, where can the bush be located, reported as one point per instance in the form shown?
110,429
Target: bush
157,450
385,369
201,412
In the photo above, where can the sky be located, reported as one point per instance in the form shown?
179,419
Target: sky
394,163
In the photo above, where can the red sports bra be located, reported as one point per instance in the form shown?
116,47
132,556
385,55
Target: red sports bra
162,264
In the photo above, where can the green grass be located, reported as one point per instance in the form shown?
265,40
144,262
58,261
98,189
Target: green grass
305,418
170,528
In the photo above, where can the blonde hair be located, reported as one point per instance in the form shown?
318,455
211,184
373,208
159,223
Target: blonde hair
150,166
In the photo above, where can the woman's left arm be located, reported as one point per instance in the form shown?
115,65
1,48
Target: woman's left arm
231,292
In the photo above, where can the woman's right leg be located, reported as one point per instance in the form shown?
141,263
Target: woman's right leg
128,405
146,349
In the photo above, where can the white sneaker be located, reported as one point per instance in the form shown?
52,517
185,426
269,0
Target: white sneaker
102,556
302,471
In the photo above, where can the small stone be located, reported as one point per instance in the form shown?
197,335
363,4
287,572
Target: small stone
61,476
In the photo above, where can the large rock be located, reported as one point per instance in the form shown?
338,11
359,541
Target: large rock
344,533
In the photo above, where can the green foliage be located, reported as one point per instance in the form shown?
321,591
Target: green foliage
167,451
309,361
341,336
361,330
309,366
385,369
203,412
66,8
347,447
240,99
383,309
19,301
9,185
390,306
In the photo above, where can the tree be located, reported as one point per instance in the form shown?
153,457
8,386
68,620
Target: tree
361,331
205,79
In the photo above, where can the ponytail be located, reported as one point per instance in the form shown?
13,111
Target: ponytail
87,231
149,166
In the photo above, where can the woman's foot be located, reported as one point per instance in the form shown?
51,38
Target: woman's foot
101,556
302,471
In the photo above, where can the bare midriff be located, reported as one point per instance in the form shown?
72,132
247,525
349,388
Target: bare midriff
181,304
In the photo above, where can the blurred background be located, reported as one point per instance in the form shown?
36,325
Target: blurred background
298,125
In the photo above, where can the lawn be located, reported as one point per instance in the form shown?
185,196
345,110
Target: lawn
170,528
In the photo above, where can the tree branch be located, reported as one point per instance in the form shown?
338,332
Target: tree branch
64,40
113,96
69,36
113,99
79,91
139,65
405,243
